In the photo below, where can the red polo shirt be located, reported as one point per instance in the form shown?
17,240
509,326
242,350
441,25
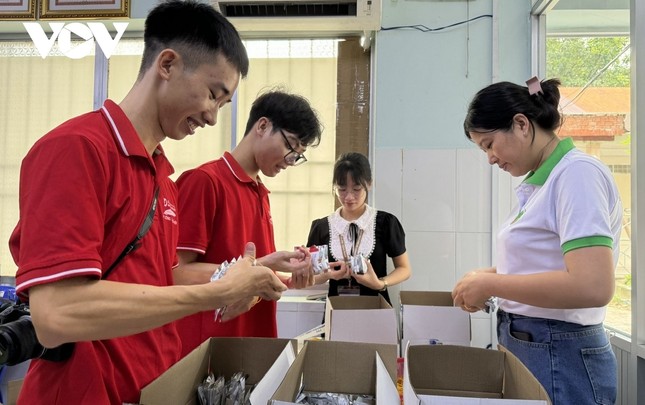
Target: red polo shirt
85,188
222,208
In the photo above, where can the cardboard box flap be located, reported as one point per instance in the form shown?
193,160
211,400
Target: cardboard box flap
386,391
443,400
427,298
290,385
462,368
168,389
224,356
358,302
340,367
430,315
458,393
336,364
449,325
369,319
265,388
254,356
516,385
468,376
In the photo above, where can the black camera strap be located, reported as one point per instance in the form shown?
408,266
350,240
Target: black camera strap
136,242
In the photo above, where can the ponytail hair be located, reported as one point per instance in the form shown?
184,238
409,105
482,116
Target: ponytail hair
493,107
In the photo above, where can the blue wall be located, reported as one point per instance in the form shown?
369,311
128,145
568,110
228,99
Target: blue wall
424,80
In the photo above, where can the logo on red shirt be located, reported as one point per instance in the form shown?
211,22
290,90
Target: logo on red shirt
169,212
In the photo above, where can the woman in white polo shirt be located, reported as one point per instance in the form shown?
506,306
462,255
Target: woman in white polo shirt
557,250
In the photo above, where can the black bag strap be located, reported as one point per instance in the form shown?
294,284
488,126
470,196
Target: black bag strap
136,242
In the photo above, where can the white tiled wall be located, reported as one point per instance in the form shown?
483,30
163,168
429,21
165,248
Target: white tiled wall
443,199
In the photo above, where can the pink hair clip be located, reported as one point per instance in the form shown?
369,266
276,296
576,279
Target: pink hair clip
534,85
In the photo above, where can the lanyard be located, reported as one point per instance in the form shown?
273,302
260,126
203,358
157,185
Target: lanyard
356,242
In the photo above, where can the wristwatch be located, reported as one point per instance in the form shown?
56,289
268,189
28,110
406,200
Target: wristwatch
384,284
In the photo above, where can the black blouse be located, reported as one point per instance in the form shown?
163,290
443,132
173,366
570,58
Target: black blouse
389,242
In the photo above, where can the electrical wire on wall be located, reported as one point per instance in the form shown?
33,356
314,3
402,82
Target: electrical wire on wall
423,28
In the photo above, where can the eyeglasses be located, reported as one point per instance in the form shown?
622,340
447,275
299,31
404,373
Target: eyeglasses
344,192
292,158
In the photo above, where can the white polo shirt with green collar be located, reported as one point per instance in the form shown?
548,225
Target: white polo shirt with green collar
570,202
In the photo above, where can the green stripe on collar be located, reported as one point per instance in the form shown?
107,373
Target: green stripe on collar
587,242
539,176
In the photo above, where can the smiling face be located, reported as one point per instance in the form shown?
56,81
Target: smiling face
191,98
512,150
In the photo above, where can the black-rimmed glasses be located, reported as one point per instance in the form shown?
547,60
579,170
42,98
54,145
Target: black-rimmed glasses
293,158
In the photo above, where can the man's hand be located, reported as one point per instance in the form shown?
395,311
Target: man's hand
253,280
298,263
238,308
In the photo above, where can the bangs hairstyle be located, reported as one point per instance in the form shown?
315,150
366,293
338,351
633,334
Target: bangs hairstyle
356,166
196,31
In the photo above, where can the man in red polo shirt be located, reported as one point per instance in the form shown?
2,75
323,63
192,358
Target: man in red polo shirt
223,204
85,189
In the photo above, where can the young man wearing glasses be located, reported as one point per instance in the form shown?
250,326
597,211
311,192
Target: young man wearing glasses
223,204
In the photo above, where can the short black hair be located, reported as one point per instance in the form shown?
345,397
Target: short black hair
290,112
494,107
196,31
355,165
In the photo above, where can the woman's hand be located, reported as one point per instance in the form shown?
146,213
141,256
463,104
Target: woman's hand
470,292
343,272
369,279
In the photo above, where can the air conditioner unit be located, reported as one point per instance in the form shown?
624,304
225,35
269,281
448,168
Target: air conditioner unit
258,17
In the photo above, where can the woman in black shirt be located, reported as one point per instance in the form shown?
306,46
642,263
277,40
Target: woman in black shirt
358,229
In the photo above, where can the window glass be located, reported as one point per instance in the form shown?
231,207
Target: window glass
306,67
595,101
37,95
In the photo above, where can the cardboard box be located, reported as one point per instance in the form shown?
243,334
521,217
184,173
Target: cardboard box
341,367
265,360
368,319
429,315
445,374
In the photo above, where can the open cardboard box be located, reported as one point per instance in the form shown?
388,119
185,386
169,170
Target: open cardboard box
427,315
341,367
265,360
368,319
458,375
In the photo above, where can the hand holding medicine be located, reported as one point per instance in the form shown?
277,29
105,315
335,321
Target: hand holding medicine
471,293
260,282
293,268
338,271
363,272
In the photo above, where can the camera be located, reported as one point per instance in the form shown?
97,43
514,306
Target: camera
18,341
